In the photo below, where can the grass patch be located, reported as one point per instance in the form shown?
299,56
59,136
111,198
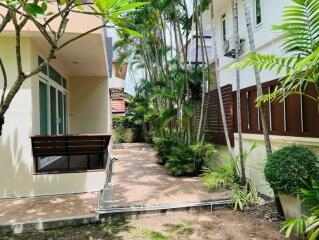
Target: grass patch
146,234
184,228
170,232
111,230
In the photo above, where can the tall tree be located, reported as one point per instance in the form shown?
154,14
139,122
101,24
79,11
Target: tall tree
252,45
260,93
238,100
220,97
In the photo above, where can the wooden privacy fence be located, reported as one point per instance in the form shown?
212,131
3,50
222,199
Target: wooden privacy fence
214,130
296,116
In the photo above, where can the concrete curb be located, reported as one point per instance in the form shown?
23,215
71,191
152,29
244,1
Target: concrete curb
135,211
42,225
129,212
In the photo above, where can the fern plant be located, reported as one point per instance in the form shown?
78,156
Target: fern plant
300,28
188,160
216,176
222,175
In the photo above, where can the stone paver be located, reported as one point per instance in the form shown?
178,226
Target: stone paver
137,180
48,207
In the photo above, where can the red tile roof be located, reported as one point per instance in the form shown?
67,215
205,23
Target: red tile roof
118,106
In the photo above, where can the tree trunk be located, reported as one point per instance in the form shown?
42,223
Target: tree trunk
257,77
220,97
1,124
239,124
201,116
259,94
208,76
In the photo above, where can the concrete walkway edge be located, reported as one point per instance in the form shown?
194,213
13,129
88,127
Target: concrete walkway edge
33,226
109,214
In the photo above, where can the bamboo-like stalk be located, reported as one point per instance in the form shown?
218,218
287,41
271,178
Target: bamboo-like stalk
260,94
238,100
257,77
220,97
203,49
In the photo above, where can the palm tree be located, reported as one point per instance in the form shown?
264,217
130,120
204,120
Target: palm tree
220,97
260,94
239,124
257,77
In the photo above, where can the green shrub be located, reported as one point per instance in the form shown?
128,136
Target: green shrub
287,167
204,151
164,146
219,175
186,160
120,125
121,122
222,174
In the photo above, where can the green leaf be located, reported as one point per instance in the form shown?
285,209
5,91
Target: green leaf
131,6
44,6
132,32
33,9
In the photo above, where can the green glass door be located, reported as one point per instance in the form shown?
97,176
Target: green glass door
43,101
53,111
60,113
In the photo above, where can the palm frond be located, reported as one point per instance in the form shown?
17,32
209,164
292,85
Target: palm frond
301,27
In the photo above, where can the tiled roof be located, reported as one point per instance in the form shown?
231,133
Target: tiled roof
118,93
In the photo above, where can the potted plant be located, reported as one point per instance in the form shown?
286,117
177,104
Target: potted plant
285,171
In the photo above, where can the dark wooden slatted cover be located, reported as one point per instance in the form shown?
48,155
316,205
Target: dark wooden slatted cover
69,145
214,127
296,116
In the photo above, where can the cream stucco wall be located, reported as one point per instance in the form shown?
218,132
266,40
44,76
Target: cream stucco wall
88,105
17,178
15,146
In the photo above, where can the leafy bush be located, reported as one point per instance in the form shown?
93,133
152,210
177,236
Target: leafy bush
204,151
220,175
186,160
121,122
287,167
164,146
120,125
244,196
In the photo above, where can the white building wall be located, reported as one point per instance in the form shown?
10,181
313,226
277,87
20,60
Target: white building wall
267,42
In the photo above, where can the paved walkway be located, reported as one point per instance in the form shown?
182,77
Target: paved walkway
46,208
137,180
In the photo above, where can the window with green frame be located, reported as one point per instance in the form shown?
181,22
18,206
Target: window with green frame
52,73
258,12
52,102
